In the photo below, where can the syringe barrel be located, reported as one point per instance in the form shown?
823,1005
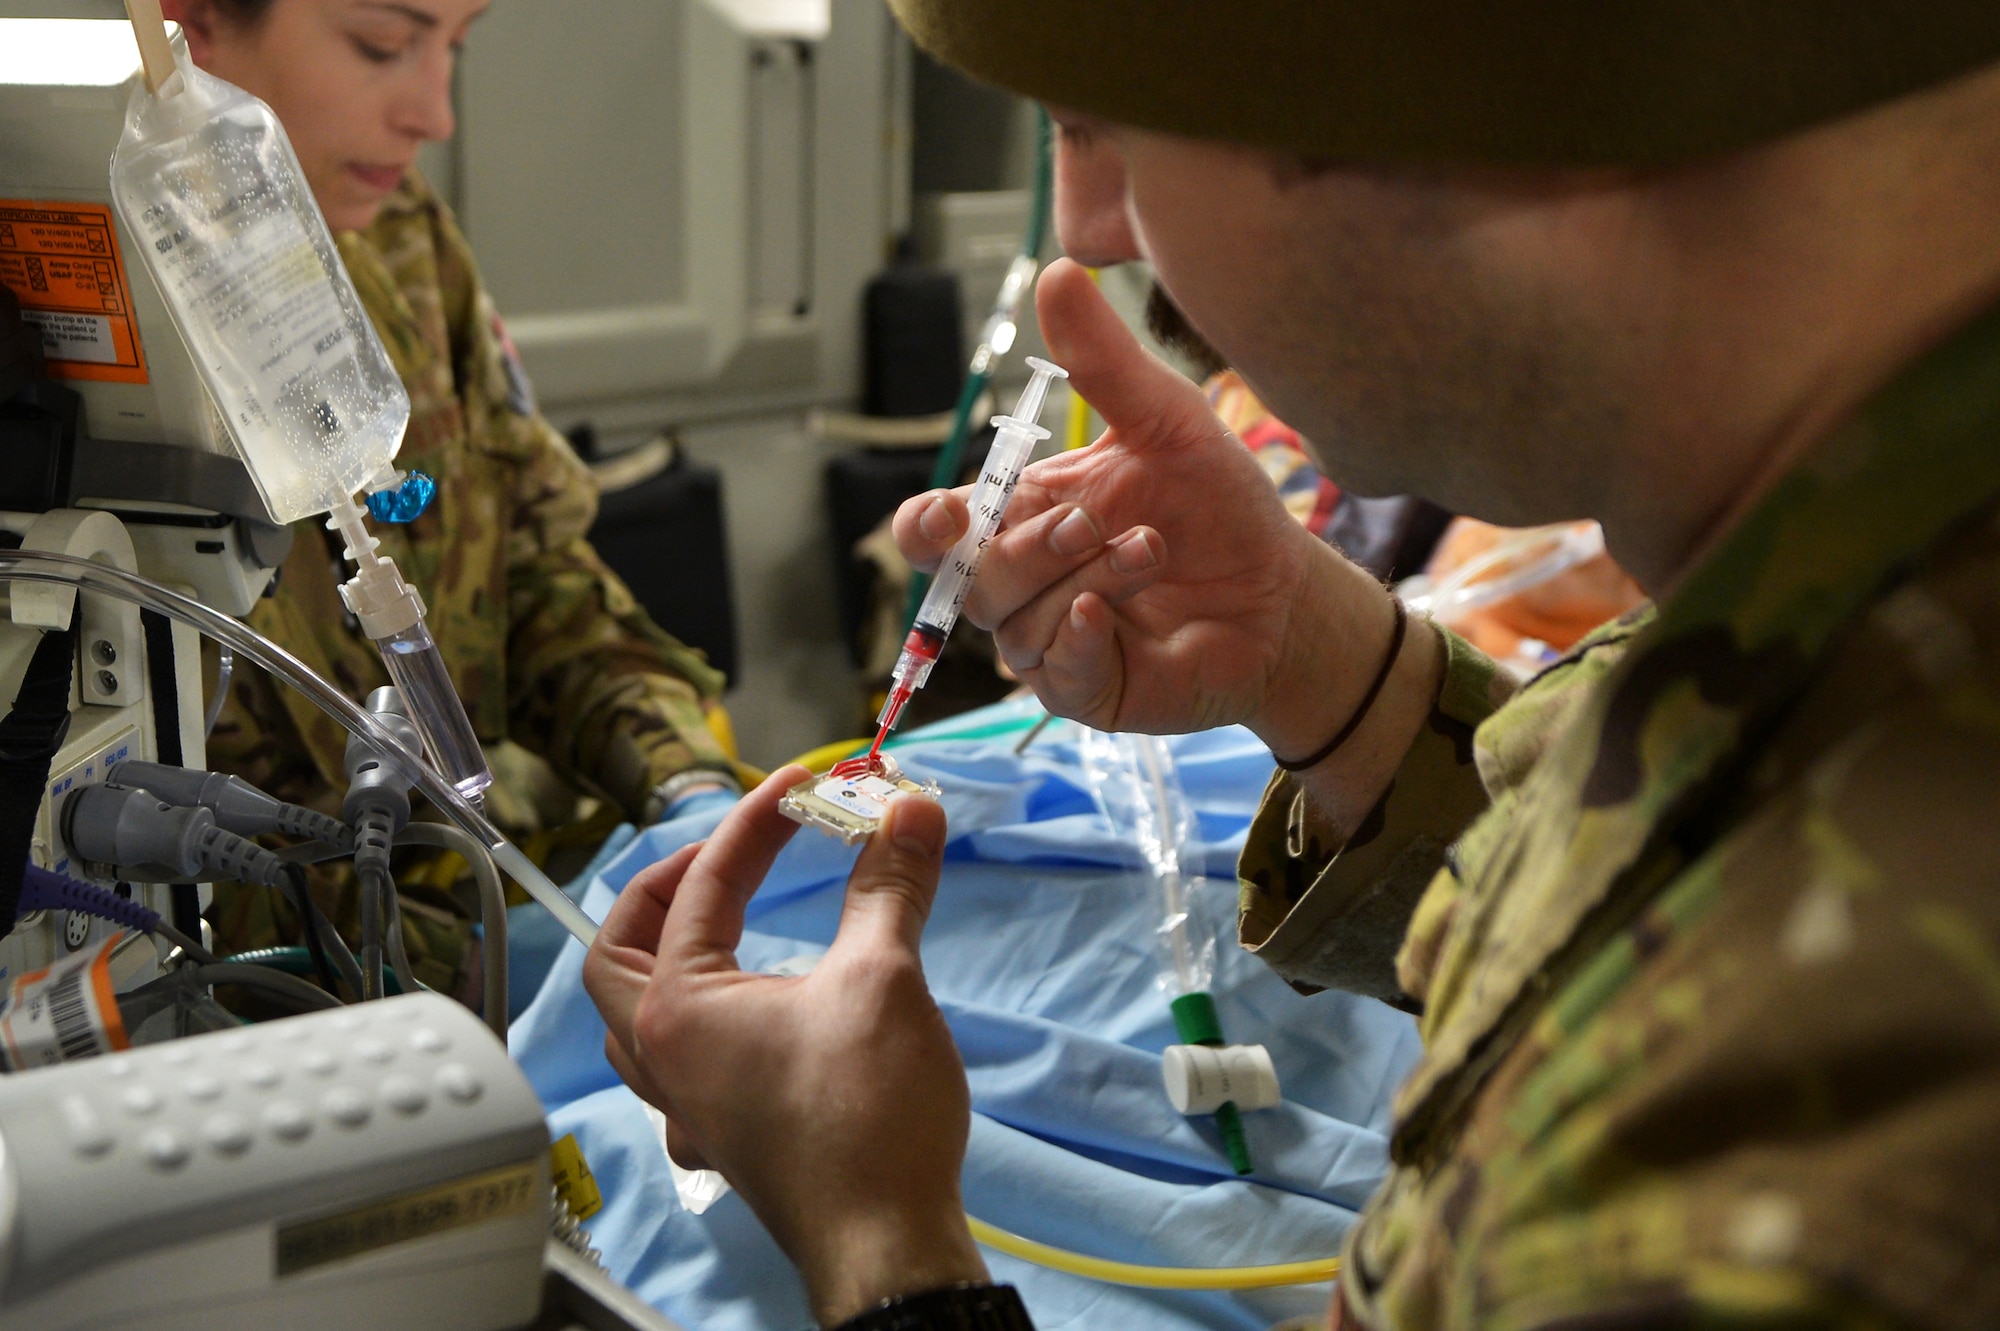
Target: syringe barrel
997,478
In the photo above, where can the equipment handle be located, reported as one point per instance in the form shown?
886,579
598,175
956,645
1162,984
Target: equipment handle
150,27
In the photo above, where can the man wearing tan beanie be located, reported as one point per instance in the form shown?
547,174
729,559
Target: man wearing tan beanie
1703,924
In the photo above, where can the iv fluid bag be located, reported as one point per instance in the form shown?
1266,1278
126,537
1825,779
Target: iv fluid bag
207,184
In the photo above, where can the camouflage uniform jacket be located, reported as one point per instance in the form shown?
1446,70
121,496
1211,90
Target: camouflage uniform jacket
1709,952
545,643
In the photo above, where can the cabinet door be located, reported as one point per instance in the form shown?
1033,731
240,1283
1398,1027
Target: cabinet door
677,202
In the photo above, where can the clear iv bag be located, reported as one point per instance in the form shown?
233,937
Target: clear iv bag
207,183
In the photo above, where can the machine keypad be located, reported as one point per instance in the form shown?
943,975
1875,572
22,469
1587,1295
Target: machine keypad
344,1085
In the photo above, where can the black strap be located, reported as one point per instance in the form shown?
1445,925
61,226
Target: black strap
30,734
163,683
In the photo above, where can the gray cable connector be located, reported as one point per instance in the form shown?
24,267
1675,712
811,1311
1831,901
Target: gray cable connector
238,806
373,784
148,839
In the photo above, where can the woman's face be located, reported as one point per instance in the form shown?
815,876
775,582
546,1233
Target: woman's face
358,84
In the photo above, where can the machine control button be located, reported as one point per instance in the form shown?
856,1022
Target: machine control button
287,1120
164,1149
140,1100
201,1088
459,1083
346,1106
263,1076
373,1051
88,1136
227,1133
427,1041
320,1063
405,1095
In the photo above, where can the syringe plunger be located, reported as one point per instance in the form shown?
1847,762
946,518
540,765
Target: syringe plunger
1029,408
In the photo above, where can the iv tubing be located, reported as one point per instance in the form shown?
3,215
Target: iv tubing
1173,887
1311,1272
86,575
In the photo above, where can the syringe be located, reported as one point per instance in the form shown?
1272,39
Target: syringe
1018,435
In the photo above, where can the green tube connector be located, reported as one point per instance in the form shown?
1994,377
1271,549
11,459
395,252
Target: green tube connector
1196,1022
1233,1141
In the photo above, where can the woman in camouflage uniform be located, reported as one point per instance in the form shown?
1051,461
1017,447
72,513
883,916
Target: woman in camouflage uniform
546,645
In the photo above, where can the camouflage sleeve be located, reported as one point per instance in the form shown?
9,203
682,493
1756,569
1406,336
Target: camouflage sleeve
1768,1098
594,686
1331,915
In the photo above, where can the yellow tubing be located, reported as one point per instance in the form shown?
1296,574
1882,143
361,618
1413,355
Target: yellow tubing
1154,1277
1077,434
826,755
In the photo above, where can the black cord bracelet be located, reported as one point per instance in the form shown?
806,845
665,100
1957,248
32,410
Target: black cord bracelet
958,1308
1367,699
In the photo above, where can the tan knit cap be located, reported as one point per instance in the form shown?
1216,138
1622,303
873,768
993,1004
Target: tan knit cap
1551,81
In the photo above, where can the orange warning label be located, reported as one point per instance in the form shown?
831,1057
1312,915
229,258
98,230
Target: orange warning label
61,260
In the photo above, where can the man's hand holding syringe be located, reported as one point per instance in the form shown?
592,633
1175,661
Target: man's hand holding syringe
1155,583
852,798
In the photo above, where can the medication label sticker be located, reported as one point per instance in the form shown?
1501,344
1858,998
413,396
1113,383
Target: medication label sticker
495,1195
574,1183
868,796
62,1012
61,261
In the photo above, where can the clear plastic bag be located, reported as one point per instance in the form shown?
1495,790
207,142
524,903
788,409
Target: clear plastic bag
207,183
1139,790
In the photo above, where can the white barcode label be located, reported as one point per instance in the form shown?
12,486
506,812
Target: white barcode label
62,1012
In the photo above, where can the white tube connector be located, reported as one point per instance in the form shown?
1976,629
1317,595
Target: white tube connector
1202,1078
384,603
